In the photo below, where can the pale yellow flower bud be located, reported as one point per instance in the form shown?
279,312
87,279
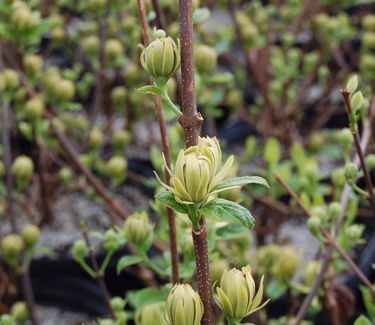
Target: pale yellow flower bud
184,306
161,58
150,314
198,170
236,293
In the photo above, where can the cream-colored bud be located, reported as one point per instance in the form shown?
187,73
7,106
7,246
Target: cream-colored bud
150,314
184,306
236,294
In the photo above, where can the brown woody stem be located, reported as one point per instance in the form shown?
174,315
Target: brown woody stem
167,153
191,122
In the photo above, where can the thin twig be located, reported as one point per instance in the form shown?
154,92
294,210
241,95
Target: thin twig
167,154
191,122
370,189
99,276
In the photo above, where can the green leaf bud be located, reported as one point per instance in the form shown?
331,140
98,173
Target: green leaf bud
118,96
10,79
272,152
96,139
34,107
161,59
33,64
351,172
184,306
11,246
23,168
111,242
20,312
311,272
338,177
334,210
370,162
368,22
345,136
205,59
113,49
138,229
120,139
236,294
30,235
150,314
91,44
80,249
118,304
64,90
117,167
313,224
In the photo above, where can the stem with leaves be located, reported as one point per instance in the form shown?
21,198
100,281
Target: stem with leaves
354,129
167,153
191,121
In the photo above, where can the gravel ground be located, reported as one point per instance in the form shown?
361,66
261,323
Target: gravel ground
56,316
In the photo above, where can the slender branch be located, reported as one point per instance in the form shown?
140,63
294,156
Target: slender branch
331,241
167,153
191,122
353,126
99,276
160,17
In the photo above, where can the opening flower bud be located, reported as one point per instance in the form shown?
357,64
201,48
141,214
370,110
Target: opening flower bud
184,306
138,229
161,59
30,235
236,294
198,170
150,314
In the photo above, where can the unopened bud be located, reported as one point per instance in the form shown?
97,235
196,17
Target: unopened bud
137,228
96,138
20,312
35,108
205,59
33,64
11,246
150,314
351,172
113,49
23,168
118,304
80,249
117,167
30,235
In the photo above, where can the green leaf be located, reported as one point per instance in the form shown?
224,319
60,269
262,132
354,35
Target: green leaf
168,199
362,320
241,181
352,84
126,261
275,289
357,101
367,299
224,210
146,297
230,231
200,15
150,89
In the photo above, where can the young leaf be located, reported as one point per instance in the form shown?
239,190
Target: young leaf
357,101
224,210
362,320
168,199
126,261
352,84
241,181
